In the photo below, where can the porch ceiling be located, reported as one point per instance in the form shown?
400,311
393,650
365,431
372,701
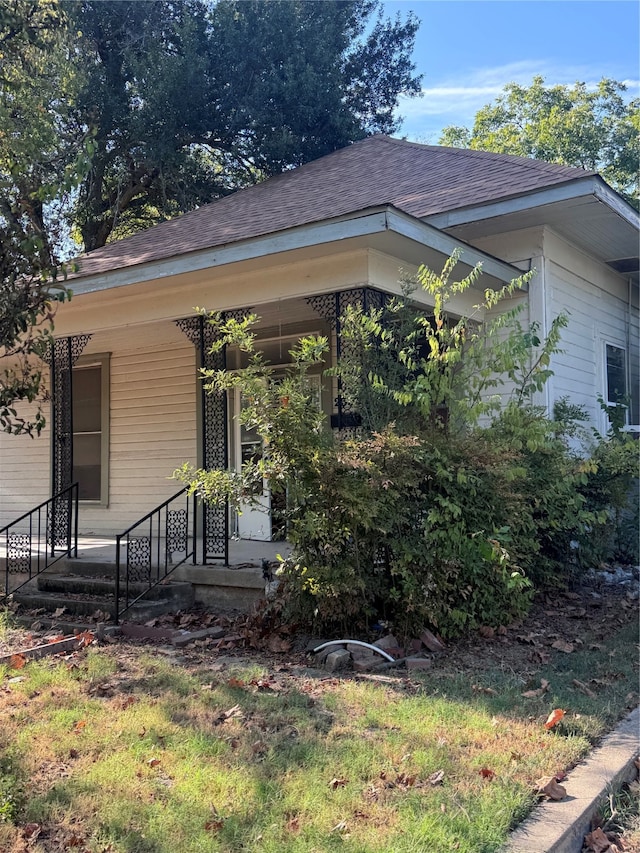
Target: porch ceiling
587,214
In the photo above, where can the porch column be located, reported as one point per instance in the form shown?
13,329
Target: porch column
214,433
62,356
331,307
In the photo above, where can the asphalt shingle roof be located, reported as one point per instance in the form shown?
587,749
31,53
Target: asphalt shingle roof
420,180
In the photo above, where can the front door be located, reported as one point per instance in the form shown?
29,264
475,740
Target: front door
254,519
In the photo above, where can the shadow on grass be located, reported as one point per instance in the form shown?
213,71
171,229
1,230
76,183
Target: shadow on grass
174,760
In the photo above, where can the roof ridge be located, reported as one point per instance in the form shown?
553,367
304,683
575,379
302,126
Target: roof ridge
481,153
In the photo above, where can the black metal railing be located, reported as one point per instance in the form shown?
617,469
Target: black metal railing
40,538
146,551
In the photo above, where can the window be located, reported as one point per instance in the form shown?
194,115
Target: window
616,378
91,428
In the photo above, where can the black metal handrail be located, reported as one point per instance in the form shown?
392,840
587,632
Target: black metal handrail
150,546
40,537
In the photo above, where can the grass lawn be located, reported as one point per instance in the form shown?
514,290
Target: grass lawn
138,748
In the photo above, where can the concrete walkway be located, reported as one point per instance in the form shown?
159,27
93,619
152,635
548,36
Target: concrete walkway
560,827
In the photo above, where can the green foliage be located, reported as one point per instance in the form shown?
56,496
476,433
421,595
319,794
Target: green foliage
11,794
40,163
186,102
596,129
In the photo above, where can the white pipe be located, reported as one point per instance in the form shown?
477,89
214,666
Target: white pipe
355,643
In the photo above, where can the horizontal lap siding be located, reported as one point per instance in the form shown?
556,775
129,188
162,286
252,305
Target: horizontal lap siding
153,426
595,315
24,470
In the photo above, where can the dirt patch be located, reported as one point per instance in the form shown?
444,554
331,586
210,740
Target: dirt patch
565,621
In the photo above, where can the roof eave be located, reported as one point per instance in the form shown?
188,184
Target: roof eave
367,222
578,188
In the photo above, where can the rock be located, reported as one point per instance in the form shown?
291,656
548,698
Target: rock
391,646
366,663
314,642
418,663
431,641
323,654
183,639
339,659
387,642
415,645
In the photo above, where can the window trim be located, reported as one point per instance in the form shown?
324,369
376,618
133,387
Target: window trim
102,360
607,342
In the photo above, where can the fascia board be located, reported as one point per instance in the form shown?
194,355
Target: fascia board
582,187
257,247
359,224
440,241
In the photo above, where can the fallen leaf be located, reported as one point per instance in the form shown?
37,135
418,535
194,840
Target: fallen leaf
59,611
437,777
487,632
235,682
550,787
73,753
236,711
214,825
259,747
278,644
583,688
554,718
153,762
17,661
79,726
55,639
540,691
337,783
486,773
128,702
293,824
487,691
31,830
85,638
563,646
597,841
339,827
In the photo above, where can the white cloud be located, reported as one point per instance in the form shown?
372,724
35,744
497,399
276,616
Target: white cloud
456,100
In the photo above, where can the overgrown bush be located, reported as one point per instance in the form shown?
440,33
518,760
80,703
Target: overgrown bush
430,515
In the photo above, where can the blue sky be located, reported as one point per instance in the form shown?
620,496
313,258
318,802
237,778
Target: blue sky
468,50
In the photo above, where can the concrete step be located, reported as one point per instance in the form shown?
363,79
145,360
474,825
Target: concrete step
95,586
83,596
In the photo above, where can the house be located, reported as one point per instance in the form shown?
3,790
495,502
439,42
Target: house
127,406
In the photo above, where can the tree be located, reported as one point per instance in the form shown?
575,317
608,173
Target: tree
187,101
596,129
32,81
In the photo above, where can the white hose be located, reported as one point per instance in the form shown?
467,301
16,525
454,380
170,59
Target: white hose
355,643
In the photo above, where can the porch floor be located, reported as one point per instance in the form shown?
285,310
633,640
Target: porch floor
242,552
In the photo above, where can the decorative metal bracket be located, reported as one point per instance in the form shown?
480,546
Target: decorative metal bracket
332,307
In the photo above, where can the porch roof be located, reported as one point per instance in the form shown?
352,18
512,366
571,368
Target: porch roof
419,180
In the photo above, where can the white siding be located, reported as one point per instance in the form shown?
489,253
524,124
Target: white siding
24,471
595,318
596,301
153,421
153,430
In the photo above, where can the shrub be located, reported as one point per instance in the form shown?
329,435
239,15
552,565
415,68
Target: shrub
424,517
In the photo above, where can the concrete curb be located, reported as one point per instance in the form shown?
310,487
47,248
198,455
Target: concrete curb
560,827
